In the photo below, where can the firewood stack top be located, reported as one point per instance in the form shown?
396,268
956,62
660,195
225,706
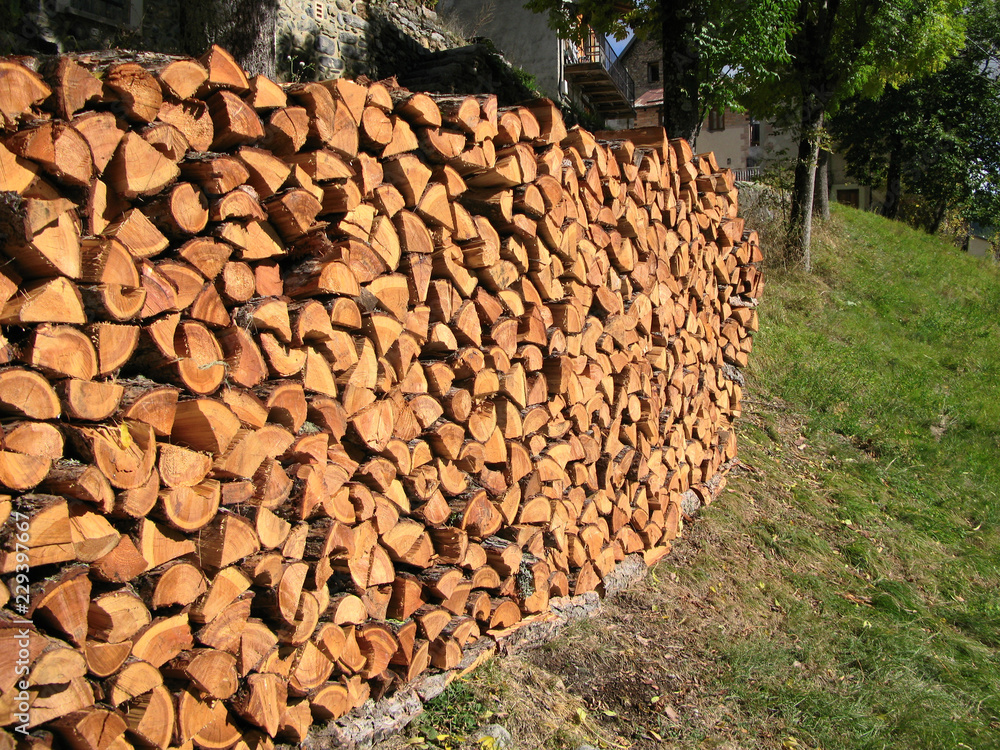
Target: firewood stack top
306,388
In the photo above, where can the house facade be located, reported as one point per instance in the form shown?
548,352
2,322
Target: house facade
733,136
588,76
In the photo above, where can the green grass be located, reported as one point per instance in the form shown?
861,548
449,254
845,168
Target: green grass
451,717
890,357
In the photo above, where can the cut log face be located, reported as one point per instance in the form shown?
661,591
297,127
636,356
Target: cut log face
139,169
26,393
308,387
201,365
125,455
136,89
22,89
59,149
90,400
62,351
236,123
182,78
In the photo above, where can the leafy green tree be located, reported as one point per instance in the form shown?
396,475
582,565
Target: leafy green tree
843,48
713,50
937,136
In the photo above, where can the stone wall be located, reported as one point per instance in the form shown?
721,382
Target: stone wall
328,39
637,57
420,23
403,34
318,40
474,69
312,39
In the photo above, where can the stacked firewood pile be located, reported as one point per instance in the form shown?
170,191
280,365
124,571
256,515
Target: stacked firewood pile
308,387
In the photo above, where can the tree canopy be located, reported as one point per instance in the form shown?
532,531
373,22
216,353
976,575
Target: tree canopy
841,48
937,136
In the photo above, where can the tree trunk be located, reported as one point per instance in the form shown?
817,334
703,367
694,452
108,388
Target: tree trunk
818,82
681,114
246,28
822,202
803,191
893,188
939,214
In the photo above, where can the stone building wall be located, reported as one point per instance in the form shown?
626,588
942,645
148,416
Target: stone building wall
403,33
637,57
320,39
312,39
522,36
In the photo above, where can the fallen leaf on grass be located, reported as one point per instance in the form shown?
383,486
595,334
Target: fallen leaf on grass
854,598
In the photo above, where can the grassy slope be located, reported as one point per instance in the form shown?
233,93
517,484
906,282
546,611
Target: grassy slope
893,346
843,593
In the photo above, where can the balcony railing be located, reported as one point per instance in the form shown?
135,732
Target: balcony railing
597,49
748,174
